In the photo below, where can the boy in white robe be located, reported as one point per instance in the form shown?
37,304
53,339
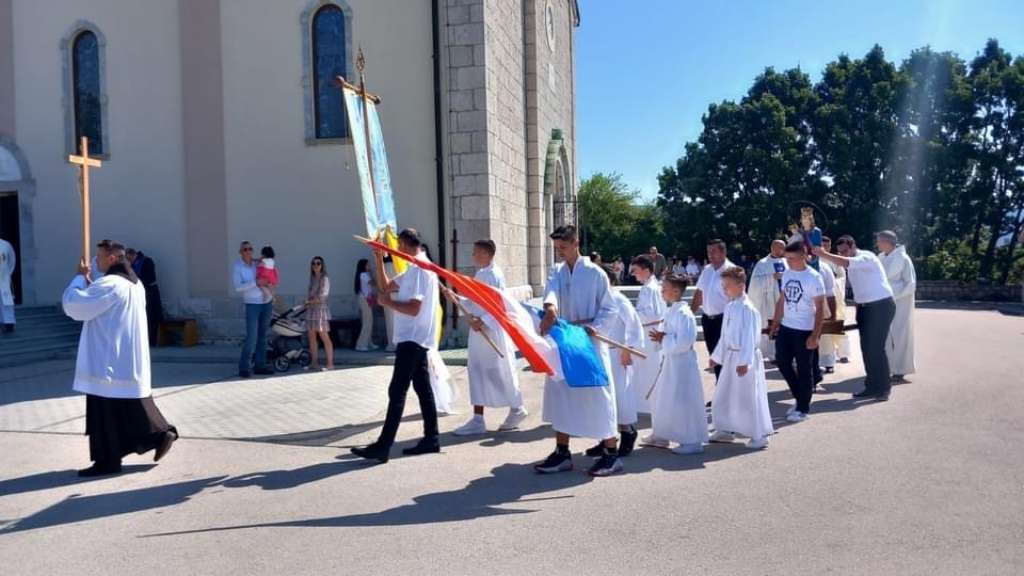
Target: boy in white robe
627,329
678,413
493,382
741,398
651,308
577,292
112,368
8,262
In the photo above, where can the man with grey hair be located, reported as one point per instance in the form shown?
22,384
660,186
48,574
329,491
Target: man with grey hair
899,269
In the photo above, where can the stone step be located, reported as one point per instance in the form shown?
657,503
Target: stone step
22,354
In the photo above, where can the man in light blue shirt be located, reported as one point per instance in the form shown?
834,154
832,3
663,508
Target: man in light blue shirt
258,310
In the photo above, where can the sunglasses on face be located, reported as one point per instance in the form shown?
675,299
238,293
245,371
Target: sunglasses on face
318,264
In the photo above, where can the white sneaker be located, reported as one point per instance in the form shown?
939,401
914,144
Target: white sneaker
471,428
797,416
689,449
654,441
514,419
721,437
758,443
791,410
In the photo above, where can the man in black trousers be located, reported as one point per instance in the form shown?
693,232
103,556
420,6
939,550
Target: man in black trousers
413,296
711,297
875,311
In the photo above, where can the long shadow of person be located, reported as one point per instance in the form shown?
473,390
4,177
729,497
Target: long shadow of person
57,479
77,508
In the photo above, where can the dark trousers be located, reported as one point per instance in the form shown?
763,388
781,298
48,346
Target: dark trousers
254,348
410,366
874,320
791,349
712,334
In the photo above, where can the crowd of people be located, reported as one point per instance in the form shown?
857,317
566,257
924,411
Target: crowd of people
650,367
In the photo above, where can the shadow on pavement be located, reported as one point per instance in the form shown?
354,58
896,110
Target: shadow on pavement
57,479
77,508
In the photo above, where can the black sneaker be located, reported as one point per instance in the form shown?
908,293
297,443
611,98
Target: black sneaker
555,462
372,452
606,465
595,450
865,393
627,442
424,446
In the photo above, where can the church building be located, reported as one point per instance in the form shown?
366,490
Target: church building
219,121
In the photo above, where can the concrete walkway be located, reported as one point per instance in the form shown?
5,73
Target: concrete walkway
931,482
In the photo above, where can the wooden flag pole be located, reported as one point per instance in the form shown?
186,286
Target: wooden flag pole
620,345
84,162
462,307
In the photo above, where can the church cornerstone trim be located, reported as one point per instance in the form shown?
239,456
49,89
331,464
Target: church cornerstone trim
67,75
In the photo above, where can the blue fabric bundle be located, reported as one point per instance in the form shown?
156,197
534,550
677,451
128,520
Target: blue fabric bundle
581,364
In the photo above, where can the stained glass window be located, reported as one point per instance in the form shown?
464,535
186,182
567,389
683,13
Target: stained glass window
328,63
88,113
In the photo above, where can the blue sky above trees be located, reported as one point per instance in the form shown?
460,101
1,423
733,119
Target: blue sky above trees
647,71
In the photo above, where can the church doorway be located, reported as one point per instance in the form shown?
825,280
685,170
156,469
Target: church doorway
9,230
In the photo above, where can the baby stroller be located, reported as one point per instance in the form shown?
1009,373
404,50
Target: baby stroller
285,345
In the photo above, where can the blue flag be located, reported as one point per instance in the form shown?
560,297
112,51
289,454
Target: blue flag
581,365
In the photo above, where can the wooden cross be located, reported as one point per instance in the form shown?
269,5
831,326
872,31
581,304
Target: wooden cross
84,162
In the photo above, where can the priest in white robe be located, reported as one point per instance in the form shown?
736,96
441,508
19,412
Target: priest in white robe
493,382
651,308
8,261
577,292
627,329
765,289
741,397
899,268
112,368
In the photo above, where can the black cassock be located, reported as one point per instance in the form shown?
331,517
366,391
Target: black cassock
154,305
118,427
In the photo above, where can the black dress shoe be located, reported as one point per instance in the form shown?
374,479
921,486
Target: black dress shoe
627,442
100,469
424,446
372,452
165,445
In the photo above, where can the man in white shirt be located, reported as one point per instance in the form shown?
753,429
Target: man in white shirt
899,269
112,368
413,296
710,295
764,290
8,261
692,269
796,325
875,311
258,312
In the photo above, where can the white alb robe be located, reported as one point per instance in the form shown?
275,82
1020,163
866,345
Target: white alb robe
493,381
678,411
651,307
581,295
764,293
829,343
741,402
113,350
900,346
626,328
8,261
440,382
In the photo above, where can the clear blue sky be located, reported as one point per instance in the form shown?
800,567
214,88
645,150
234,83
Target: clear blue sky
647,69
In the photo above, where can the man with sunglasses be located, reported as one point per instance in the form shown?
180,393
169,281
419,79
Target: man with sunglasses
258,310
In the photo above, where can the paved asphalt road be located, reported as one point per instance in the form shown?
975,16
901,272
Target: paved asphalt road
931,482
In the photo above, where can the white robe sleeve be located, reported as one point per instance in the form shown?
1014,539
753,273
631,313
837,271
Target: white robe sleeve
750,332
905,282
718,354
683,335
551,289
634,328
607,309
84,303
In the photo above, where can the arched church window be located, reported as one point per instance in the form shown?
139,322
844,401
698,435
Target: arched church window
88,113
329,59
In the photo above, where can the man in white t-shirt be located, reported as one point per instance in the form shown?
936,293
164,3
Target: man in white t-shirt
875,311
710,295
797,322
413,296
